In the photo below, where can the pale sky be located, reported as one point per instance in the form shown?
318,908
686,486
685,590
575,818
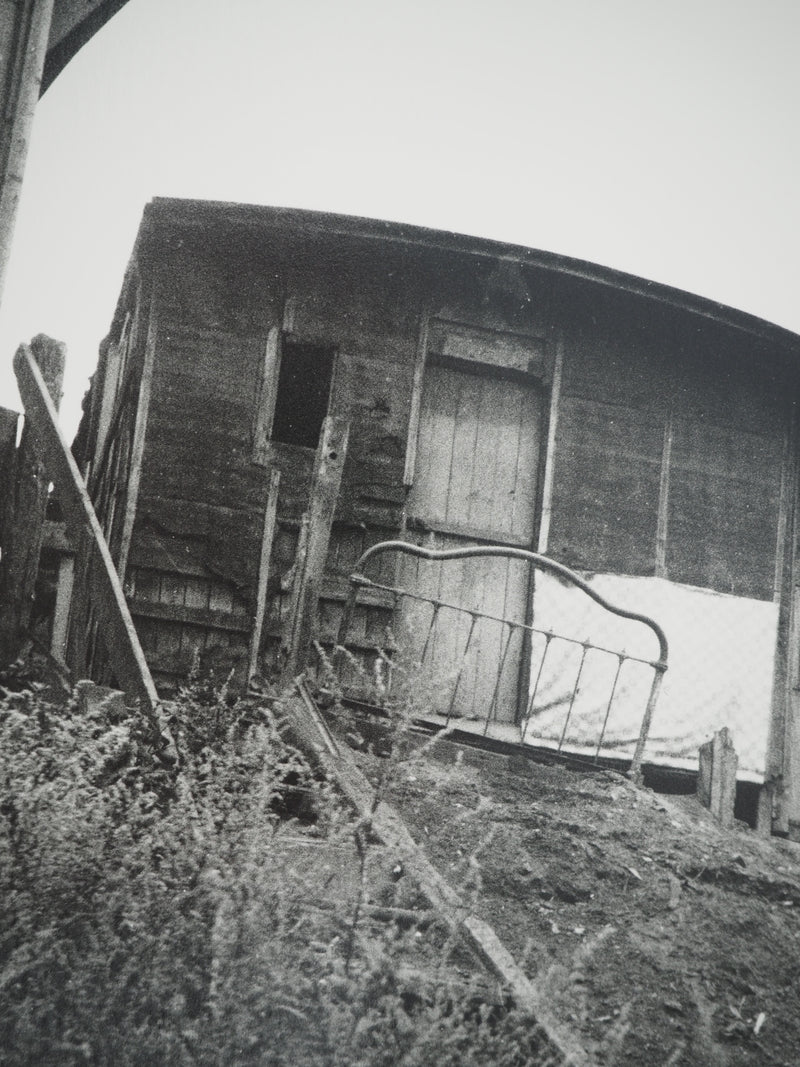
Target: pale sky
662,139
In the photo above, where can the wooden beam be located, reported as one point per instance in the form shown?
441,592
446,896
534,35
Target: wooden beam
766,796
232,622
104,590
550,448
326,481
9,421
137,447
787,500
78,625
416,400
662,519
267,391
337,762
296,594
66,578
267,538
97,469
783,753
20,564
108,394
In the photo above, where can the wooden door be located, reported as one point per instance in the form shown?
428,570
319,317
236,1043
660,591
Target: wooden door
476,479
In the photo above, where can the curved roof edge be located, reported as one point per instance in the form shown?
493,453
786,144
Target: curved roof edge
200,213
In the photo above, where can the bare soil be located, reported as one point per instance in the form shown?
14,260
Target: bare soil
656,937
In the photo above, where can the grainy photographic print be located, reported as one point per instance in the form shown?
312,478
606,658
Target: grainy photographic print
399,510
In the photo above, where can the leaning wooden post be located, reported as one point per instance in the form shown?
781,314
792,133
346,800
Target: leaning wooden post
20,564
325,484
103,590
267,537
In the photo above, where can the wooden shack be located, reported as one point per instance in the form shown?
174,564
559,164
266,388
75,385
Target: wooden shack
482,394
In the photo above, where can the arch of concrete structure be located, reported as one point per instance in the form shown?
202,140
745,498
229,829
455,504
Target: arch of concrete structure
37,40
74,22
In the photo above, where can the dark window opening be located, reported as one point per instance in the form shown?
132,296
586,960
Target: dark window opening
304,385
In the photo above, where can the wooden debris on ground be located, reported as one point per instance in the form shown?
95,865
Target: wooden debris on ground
716,781
337,762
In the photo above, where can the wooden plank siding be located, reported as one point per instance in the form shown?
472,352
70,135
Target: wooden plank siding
726,472
660,437
610,437
713,512
606,487
181,617
201,506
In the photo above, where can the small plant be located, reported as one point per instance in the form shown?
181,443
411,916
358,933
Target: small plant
222,908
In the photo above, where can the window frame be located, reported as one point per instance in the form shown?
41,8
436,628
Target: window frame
267,395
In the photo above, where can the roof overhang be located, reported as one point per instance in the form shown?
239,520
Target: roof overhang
163,213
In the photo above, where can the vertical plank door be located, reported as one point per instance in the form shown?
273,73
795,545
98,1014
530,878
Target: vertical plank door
475,482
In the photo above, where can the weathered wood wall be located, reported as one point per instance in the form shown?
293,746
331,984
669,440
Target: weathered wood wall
669,453
671,446
194,555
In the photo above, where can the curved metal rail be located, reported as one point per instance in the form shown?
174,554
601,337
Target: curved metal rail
358,580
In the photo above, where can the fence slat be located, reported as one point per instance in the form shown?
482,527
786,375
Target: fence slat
105,592
25,527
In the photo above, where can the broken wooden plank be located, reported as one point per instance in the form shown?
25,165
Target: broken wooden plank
325,484
716,781
387,823
104,590
23,536
267,537
232,621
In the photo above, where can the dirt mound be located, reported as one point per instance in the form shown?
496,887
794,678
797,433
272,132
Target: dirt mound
656,936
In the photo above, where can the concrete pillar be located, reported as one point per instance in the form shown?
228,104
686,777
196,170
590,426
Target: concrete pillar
24,33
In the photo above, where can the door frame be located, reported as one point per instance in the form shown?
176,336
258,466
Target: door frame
548,384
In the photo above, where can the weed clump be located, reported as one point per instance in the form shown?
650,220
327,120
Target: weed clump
205,910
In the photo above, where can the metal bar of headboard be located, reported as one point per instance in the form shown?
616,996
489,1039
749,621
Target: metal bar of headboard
544,563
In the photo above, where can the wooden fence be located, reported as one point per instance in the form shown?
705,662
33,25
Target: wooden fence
24,485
